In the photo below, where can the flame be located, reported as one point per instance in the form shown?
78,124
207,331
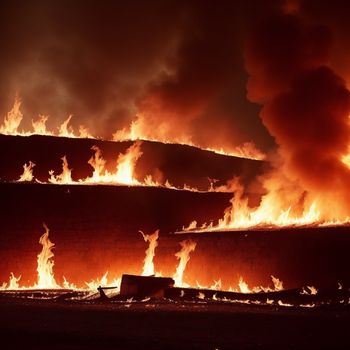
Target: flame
39,125
136,131
65,177
64,130
13,282
123,175
280,207
12,120
125,170
126,164
139,130
148,267
103,281
309,290
187,246
27,174
277,283
46,277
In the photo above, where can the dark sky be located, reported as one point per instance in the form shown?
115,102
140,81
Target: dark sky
176,62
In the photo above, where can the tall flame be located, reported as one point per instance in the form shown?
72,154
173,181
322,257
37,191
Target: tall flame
65,177
27,174
39,125
46,277
12,120
187,246
126,164
148,267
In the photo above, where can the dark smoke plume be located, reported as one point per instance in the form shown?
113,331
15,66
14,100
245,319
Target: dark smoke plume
306,105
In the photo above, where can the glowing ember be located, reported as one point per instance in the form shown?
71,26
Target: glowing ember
148,267
183,255
27,174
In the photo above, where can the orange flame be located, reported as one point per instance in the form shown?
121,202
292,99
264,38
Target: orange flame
12,120
27,174
138,130
187,246
39,125
281,207
65,177
46,277
148,267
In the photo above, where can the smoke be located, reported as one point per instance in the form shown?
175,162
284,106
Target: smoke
305,106
177,63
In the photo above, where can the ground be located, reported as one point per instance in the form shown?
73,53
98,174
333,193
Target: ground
31,324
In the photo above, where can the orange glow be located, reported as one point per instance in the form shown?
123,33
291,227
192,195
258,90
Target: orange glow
148,266
27,174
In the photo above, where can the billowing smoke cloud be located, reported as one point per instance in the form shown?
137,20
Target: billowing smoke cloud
306,105
178,63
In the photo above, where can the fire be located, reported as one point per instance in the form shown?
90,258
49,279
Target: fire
39,125
148,267
126,164
125,170
46,277
280,207
12,120
244,288
138,130
309,290
13,283
187,246
103,281
65,177
27,174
